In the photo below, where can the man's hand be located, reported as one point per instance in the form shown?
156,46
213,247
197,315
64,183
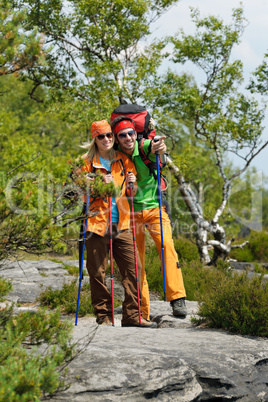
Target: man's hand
159,146
131,183
131,178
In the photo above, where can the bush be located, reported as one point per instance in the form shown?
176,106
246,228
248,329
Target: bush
5,288
186,249
258,243
260,269
26,372
73,270
153,268
236,303
197,278
242,254
66,298
194,274
256,250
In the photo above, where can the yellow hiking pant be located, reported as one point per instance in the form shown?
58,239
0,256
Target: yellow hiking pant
150,219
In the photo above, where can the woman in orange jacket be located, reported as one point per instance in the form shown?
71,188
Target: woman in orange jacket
116,167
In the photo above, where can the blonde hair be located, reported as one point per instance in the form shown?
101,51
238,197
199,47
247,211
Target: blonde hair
92,150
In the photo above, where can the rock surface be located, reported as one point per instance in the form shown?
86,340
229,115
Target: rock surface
175,362
249,267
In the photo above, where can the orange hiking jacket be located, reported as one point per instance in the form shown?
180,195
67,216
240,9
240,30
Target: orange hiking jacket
98,220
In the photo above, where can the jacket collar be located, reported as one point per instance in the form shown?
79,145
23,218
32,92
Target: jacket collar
96,161
97,164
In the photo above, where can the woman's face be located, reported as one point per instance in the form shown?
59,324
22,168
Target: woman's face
105,142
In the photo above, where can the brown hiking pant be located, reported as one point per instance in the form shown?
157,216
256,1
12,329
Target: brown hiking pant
98,248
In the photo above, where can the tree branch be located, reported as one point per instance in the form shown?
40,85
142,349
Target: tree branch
80,48
240,245
239,172
31,94
25,163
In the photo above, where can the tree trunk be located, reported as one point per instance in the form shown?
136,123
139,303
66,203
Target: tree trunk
203,226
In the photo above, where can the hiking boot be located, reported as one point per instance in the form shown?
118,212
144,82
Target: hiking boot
105,320
179,307
144,324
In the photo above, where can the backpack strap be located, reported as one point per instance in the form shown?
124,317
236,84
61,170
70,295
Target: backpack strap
123,170
152,166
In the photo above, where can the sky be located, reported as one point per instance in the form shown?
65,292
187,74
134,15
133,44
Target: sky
253,46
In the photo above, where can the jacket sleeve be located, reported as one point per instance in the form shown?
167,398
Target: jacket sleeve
147,148
129,167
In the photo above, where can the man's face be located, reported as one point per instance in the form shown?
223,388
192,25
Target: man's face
126,139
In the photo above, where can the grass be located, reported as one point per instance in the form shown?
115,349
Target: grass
66,298
73,270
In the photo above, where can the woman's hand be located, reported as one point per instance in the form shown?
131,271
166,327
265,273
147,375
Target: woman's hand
108,178
90,177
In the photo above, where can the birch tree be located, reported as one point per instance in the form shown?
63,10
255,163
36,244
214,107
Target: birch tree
224,119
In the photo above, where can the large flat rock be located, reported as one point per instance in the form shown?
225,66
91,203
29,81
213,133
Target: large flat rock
30,278
174,362
165,364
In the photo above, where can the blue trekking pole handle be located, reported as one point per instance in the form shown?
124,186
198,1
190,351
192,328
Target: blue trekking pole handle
161,220
82,262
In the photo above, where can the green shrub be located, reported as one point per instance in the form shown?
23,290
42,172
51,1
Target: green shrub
5,288
74,270
197,278
260,269
258,243
236,303
186,249
153,269
242,254
256,250
194,274
66,298
26,372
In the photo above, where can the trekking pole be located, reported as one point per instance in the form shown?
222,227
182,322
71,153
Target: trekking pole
81,261
161,220
135,248
111,252
111,256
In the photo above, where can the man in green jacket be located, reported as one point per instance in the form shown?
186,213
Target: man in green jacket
146,207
